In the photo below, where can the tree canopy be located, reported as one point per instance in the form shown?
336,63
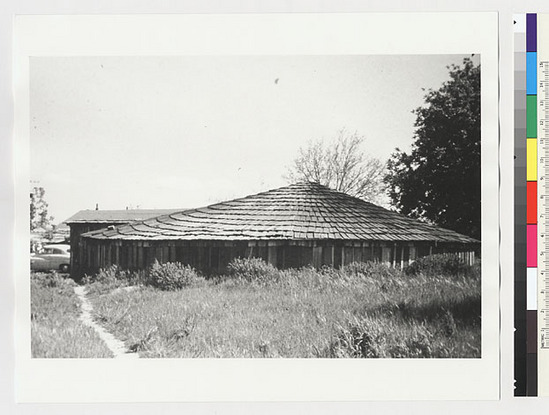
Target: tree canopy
340,164
440,179
39,217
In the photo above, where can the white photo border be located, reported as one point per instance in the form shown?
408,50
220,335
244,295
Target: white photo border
229,380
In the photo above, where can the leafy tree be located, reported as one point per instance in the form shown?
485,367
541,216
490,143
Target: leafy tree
39,209
440,179
340,165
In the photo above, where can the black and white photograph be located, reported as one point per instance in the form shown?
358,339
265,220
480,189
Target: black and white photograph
255,207
246,214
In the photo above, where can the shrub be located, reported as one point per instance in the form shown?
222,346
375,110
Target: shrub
378,338
113,277
449,327
439,264
172,276
370,269
167,276
359,339
419,343
252,269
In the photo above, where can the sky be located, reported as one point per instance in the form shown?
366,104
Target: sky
183,132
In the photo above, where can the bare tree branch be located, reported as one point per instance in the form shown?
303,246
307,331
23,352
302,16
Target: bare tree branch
341,165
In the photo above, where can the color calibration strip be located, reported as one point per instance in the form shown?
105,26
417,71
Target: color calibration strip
531,206
531,84
521,183
526,196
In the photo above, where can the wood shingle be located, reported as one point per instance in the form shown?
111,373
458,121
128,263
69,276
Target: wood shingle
295,212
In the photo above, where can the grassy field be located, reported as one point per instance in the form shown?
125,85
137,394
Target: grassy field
56,330
363,310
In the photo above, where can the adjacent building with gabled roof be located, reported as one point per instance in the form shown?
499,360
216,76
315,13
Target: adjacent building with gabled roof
293,226
90,220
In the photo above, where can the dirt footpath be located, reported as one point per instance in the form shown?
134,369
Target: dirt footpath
116,346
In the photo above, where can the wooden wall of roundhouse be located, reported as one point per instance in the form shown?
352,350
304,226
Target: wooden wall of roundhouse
212,257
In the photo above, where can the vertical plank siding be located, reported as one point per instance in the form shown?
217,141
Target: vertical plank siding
214,256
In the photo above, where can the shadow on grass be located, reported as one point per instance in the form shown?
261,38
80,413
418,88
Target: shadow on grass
465,312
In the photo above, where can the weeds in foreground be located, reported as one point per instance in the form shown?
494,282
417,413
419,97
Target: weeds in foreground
362,310
111,278
168,276
442,265
56,331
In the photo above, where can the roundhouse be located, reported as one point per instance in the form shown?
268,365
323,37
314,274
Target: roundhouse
293,226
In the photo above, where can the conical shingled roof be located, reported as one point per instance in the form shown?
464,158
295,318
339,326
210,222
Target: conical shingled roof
303,211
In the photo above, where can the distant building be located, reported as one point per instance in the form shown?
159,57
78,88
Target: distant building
90,220
294,226
51,234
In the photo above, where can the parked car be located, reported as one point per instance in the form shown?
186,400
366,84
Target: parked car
52,257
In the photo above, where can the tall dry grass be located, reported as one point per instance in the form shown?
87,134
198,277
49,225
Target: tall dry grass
56,331
363,310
